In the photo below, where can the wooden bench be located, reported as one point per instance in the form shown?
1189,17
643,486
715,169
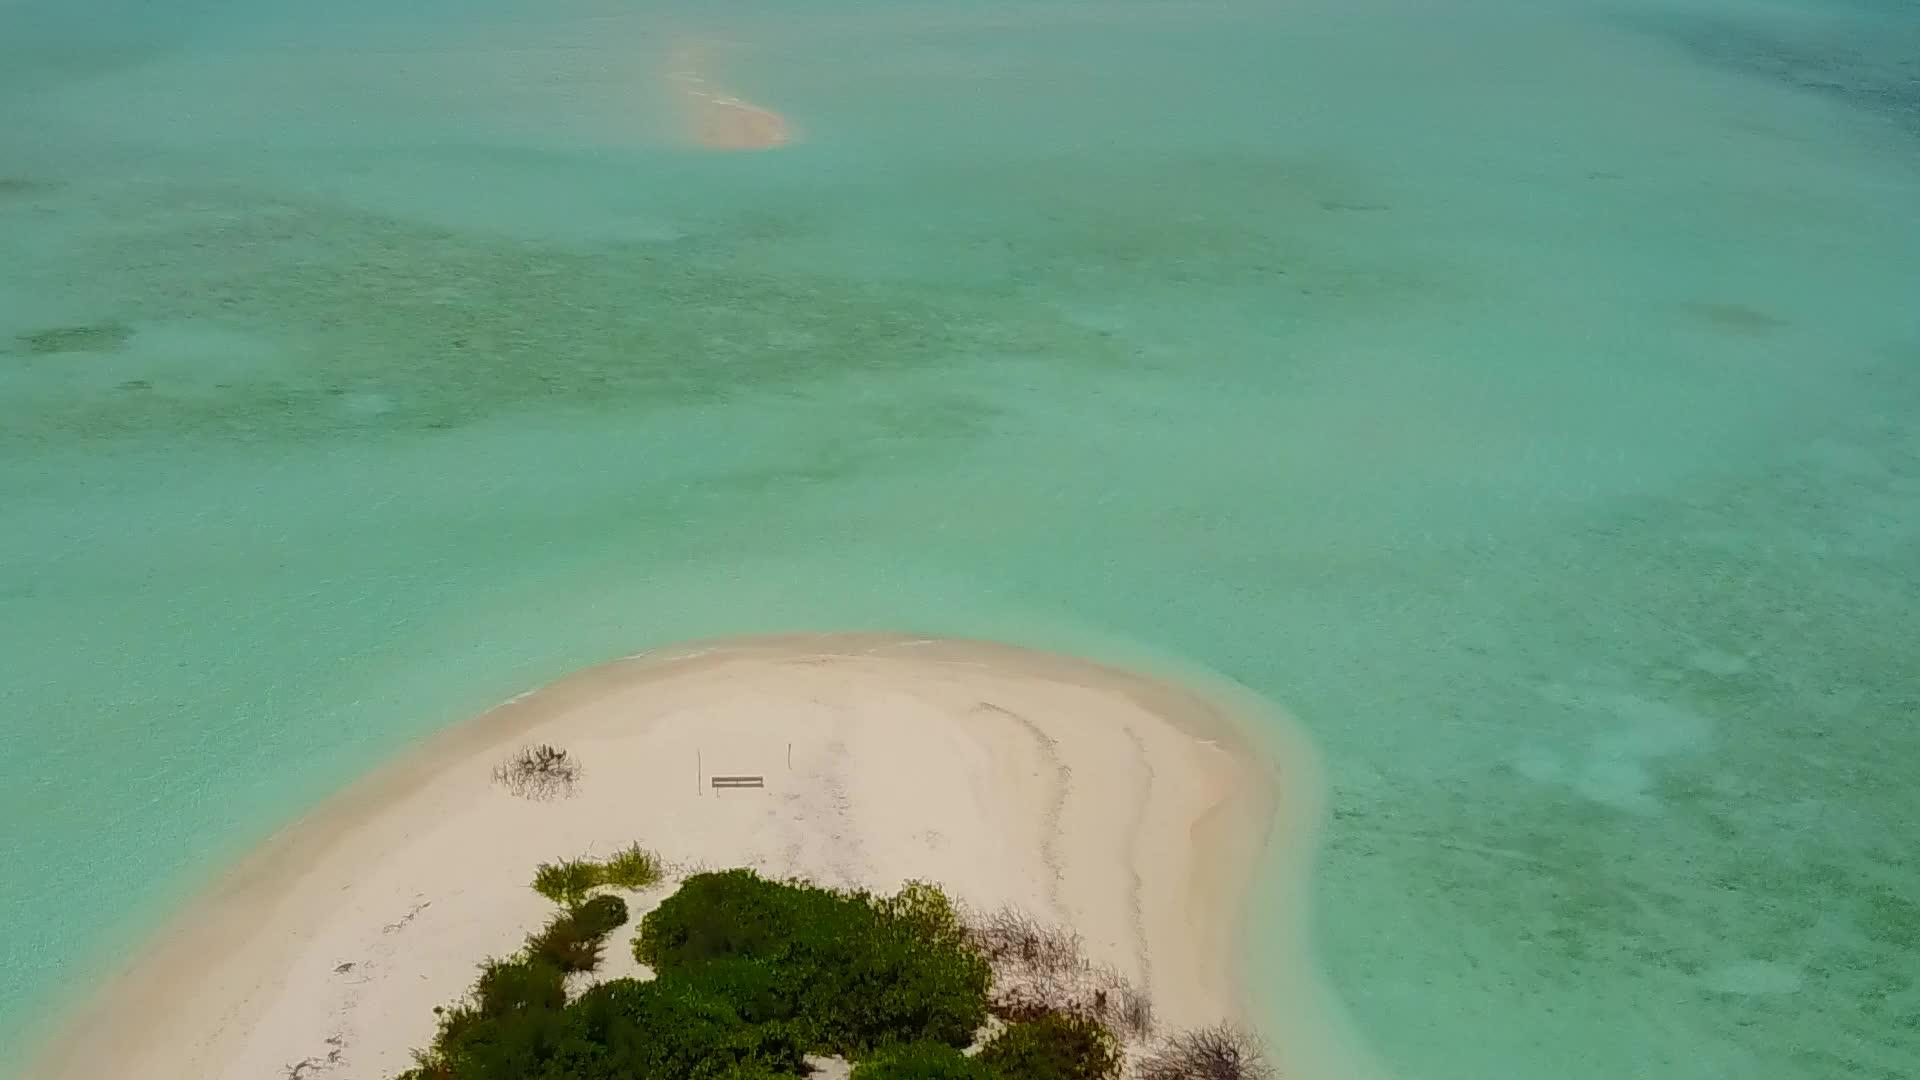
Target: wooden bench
739,781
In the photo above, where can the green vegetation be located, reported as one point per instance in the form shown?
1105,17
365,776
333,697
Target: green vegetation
567,881
574,939
1054,1047
510,986
570,880
752,975
615,1031
602,915
921,1061
857,971
632,867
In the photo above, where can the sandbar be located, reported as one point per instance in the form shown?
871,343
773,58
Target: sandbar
711,117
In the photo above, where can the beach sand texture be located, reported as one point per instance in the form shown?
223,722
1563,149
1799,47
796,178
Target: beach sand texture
1122,806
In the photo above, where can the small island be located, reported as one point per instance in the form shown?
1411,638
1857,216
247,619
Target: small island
795,795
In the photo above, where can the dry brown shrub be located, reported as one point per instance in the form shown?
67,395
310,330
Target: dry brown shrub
1220,1052
539,771
1040,969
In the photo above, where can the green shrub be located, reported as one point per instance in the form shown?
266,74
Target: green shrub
754,1070
601,915
511,1014
563,945
632,867
455,1023
507,986
661,1028
1055,1047
618,1030
570,880
750,975
713,916
573,940
760,992
922,1061
518,1047
853,971
567,881
922,908
512,1046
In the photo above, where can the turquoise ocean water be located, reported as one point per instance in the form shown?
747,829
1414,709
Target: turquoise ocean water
1522,393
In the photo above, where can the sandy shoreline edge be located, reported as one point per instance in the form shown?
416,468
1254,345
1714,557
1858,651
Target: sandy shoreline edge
1131,807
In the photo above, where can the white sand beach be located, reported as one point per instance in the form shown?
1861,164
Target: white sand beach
1123,806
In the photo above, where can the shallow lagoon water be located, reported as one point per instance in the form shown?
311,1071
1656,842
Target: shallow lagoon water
1520,394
